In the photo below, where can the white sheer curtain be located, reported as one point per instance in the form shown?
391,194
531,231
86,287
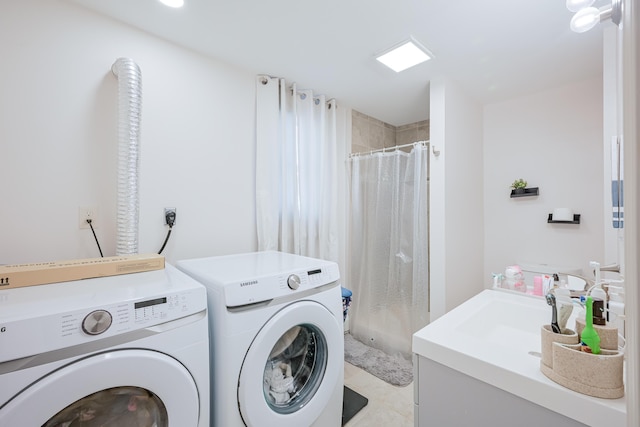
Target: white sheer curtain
389,248
296,170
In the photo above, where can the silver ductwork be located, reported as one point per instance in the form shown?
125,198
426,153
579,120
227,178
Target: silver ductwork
129,113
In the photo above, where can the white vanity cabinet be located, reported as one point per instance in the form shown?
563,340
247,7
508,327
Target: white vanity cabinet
479,364
446,397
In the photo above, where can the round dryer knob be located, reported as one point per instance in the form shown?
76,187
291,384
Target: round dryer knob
293,281
96,322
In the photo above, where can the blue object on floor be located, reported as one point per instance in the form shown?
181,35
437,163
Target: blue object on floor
346,302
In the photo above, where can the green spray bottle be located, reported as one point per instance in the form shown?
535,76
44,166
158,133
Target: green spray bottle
589,336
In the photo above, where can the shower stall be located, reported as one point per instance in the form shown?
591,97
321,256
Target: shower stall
389,246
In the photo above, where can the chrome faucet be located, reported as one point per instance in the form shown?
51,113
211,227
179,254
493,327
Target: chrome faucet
588,283
612,267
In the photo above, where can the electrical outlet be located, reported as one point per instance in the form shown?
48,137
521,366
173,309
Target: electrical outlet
85,213
167,213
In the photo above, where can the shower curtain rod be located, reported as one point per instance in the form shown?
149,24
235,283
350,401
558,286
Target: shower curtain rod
396,147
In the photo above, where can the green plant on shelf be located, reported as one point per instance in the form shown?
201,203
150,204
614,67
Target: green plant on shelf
519,185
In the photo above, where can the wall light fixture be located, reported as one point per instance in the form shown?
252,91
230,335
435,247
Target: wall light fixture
587,17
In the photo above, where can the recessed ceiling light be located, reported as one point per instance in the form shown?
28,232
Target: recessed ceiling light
173,3
405,55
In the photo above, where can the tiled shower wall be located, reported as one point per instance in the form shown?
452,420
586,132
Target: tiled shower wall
369,133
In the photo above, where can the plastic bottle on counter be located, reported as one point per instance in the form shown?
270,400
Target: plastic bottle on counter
589,336
537,285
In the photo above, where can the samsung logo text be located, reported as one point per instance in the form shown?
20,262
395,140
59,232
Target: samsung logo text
252,282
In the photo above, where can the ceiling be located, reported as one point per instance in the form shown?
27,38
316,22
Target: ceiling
494,49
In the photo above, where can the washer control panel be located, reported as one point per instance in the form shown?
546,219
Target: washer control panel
259,289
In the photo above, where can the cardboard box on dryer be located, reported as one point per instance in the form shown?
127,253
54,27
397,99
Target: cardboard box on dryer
19,275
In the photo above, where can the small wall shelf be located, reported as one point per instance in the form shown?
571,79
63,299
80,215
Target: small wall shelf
576,220
533,191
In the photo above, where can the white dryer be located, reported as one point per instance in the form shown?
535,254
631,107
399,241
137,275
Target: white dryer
129,350
277,340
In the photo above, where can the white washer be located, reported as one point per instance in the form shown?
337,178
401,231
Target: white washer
127,350
277,340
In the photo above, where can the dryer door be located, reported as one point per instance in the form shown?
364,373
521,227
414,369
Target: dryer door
117,388
290,372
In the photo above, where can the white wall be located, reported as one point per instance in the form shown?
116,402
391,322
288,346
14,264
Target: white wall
553,139
456,197
58,134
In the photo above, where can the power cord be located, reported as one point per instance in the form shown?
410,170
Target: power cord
170,219
95,237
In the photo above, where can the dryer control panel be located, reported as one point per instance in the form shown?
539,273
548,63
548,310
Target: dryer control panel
125,316
51,317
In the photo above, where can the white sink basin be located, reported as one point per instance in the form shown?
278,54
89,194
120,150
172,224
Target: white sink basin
508,326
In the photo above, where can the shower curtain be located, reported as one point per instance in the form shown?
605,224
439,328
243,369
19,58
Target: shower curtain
389,249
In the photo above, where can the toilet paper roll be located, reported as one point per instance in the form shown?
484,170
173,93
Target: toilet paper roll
562,214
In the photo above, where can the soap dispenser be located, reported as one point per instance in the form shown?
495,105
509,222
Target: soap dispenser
589,336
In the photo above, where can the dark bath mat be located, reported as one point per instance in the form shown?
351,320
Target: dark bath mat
395,370
352,403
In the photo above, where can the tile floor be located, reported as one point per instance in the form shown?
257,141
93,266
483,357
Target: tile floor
388,405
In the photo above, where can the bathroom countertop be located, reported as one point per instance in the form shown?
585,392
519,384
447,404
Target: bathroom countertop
495,338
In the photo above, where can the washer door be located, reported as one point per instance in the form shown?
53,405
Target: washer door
291,368
117,388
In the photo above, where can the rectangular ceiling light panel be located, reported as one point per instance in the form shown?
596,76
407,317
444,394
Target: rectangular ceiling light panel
405,55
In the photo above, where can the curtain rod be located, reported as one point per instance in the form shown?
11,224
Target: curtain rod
396,147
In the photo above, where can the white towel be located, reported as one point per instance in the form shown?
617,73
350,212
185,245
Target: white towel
280,382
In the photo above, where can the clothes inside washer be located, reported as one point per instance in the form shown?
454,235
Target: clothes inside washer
280,382
290,366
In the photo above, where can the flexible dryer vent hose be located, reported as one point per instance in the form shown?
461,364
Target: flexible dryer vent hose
129,112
